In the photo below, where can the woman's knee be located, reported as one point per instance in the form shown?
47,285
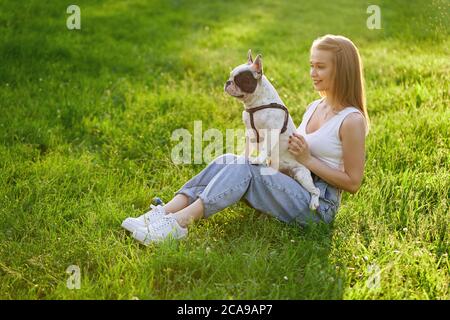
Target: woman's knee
238,167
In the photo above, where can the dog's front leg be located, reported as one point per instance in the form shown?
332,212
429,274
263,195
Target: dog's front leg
250,144
262,148
270,154
303,176
269,148
273,144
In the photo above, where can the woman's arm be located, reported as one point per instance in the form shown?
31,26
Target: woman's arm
353,149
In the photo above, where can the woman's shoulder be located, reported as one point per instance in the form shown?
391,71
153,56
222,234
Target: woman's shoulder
354,122
351,109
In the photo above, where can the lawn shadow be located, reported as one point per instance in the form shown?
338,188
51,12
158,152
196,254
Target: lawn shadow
288,261
310,247
321,278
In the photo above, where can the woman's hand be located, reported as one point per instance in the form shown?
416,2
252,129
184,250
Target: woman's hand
299,148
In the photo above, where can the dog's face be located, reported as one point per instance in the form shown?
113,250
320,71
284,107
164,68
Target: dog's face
245,79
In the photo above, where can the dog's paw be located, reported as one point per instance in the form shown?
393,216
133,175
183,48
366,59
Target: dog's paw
314,204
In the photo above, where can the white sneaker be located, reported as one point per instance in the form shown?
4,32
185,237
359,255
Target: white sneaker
161,229
153,215
156,212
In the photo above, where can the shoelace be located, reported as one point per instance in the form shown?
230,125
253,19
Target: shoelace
154,210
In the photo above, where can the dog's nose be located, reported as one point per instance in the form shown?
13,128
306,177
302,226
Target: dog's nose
227,83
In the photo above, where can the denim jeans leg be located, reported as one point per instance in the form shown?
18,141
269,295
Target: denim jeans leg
195,186
221,185
275,194
227,187
280,196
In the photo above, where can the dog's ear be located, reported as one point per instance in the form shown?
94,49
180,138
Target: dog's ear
249,57
257,67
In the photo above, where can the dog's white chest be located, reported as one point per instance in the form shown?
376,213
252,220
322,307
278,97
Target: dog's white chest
262,119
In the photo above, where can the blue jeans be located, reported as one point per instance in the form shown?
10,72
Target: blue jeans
230,178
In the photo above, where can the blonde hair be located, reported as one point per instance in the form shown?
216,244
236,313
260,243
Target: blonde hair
347,76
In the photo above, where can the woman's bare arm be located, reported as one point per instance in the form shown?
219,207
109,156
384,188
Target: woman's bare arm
353,149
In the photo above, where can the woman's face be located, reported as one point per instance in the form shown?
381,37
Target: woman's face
321,70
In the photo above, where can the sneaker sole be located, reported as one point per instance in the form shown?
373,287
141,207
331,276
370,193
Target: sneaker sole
147,243
131,224
134,236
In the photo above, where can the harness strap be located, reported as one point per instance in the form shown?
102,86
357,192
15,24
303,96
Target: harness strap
272,105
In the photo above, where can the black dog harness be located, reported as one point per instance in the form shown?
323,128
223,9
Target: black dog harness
251,111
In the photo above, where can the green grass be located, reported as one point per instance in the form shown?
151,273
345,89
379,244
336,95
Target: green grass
85,128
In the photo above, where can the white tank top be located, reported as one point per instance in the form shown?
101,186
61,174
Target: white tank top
325,143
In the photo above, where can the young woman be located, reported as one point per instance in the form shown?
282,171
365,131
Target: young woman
330,142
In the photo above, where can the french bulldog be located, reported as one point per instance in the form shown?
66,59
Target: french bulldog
268,123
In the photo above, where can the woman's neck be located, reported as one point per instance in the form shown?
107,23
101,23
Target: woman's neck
332,105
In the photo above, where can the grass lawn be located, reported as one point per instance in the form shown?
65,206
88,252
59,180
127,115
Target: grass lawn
85,141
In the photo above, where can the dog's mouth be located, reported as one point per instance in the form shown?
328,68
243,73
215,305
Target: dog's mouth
236,96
